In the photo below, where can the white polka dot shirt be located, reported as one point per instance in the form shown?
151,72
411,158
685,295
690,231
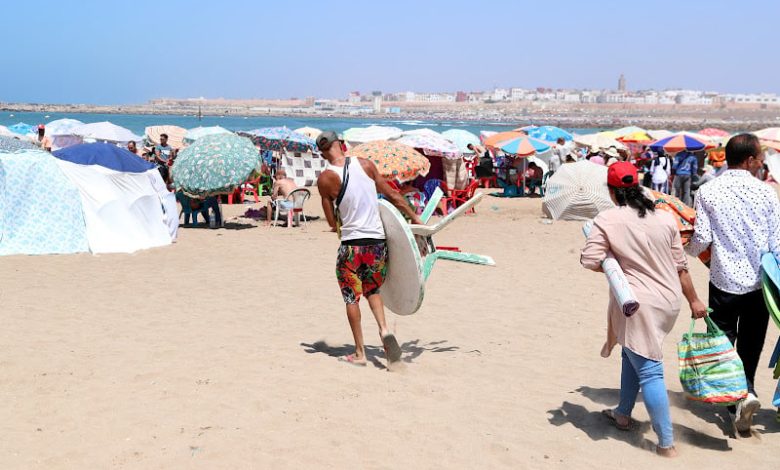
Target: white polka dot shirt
739,217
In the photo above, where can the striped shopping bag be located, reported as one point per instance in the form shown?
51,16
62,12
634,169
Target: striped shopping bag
710,369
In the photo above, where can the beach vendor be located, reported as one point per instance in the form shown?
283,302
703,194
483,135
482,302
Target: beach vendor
646,243
349,188
738,217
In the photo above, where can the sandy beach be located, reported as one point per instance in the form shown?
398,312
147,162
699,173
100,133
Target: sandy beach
220,352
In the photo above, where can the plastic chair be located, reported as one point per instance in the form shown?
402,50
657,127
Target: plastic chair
461,196
430,186
205,204
298,199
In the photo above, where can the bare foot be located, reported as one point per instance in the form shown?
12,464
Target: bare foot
354,360
668,452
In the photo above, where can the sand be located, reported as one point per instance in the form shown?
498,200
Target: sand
219,352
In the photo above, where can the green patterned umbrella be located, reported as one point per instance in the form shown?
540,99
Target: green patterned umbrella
215,164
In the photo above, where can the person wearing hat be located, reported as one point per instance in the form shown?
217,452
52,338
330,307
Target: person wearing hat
349,188
613,156
647,245
42,140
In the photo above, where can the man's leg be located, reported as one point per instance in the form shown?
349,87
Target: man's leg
378,309
353,315
686,190
724,314
753,323
677,186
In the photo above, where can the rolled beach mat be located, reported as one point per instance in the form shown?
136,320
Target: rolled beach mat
616,278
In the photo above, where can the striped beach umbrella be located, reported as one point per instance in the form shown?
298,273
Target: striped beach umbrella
215,164
394,160
679,142
522,146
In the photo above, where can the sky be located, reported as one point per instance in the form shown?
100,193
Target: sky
122,52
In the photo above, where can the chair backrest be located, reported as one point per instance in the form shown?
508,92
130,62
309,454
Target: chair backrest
299,197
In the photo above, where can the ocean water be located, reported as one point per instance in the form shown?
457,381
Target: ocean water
138,122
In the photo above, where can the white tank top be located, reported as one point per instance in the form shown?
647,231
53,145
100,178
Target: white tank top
359,208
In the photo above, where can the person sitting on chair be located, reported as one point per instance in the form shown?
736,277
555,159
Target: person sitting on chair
533,177
282,188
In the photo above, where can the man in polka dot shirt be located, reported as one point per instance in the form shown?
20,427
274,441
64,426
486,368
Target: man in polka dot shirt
738,216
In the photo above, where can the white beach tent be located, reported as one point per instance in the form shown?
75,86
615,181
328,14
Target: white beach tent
124,210
577,191
106,132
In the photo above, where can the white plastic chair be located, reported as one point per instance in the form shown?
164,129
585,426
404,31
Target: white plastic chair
298,199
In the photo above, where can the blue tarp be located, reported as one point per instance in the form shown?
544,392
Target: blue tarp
106,155
40,209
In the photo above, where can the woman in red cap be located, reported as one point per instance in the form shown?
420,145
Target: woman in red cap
646,243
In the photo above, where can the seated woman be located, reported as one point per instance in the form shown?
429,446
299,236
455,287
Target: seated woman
194,206
414,196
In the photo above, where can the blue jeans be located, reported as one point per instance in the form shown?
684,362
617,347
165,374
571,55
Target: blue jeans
640,371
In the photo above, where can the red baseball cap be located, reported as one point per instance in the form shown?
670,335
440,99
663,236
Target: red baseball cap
622,175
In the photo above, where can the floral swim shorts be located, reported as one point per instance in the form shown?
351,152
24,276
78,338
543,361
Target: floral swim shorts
361,270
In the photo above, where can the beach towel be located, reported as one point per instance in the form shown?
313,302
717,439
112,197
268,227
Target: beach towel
616,278
710,368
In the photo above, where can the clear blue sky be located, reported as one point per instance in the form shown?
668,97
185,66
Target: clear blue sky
100,51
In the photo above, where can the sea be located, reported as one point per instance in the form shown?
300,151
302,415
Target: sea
137,123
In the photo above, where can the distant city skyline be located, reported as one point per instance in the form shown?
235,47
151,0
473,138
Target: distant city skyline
137,51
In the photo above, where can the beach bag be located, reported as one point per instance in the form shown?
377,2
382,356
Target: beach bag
710,369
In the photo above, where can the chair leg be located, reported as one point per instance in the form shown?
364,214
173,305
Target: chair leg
230,198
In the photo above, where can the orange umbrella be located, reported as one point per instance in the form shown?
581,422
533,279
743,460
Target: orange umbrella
393,160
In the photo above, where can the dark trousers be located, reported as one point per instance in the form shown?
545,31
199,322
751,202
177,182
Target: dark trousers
744,319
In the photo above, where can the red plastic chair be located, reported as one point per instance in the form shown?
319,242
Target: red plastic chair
248,187
461,196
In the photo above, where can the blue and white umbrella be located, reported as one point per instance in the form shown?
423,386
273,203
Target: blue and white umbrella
548,133
461,139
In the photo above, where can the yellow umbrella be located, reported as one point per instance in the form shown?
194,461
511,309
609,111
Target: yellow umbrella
637,136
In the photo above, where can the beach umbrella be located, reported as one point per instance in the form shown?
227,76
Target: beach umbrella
215,164
461,139
4,131
106,132
433,145
599,140
278,138
394,160
659,133
522,146
360,135
770,133
22,128
310,132
423,131
175,135
62,127
548,133
577,191
491,139
713,132
194,134
679,142
624,131
636,137
13,144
